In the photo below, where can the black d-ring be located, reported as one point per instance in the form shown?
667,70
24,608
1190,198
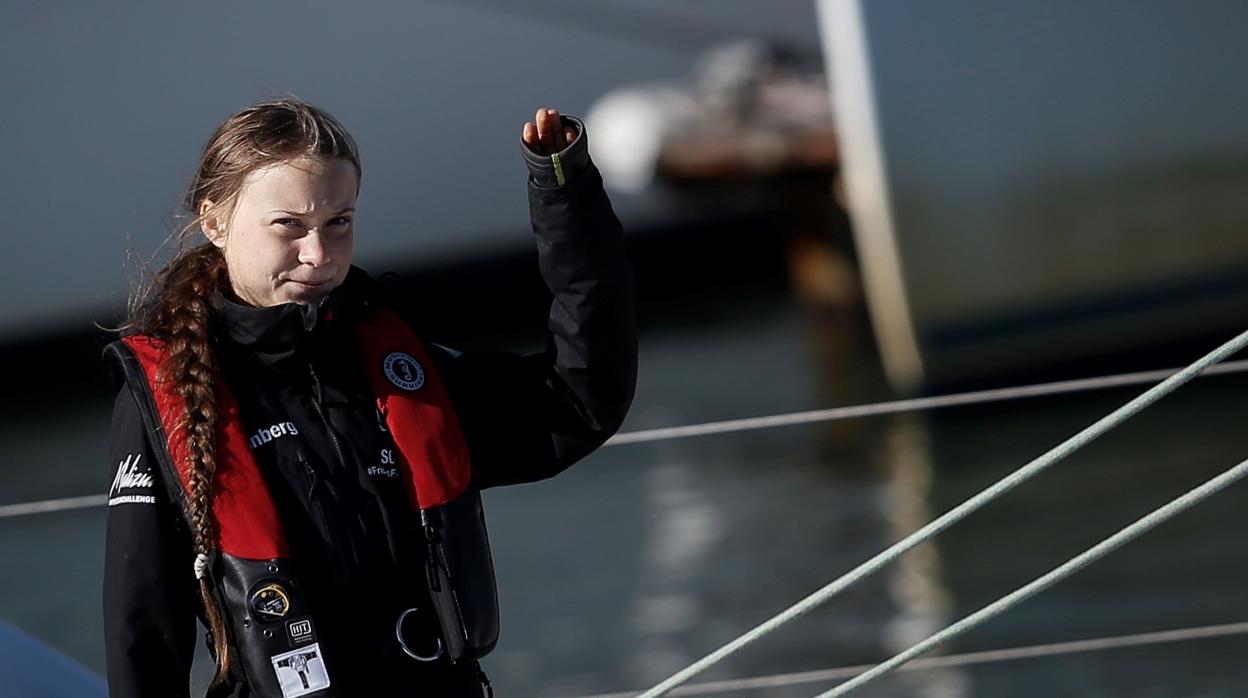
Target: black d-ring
398,634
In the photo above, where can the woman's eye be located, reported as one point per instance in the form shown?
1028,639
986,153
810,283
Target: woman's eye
339,221
287,222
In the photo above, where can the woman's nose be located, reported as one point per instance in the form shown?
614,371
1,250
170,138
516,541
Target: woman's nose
312,249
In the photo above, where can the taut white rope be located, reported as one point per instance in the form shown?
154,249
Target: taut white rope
48,505
825,415
977,397
1052,649
956,514
1045,581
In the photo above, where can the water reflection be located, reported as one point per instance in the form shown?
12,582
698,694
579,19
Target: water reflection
915,581
646,557
683,529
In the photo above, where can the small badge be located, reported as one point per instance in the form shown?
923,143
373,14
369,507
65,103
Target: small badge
300,672
404,371
270,602
299,631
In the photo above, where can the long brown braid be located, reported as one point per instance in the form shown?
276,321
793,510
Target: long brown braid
173,307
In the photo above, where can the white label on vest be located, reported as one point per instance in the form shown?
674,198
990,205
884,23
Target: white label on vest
133,482
301,671
276,431
404,371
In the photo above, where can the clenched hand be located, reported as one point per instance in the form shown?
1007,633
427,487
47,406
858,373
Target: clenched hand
546,135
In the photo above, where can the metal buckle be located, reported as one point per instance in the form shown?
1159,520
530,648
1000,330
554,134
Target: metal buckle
398,634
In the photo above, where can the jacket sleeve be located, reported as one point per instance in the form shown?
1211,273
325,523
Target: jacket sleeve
530,416
150,594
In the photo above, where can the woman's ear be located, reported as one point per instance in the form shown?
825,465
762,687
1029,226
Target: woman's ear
210,221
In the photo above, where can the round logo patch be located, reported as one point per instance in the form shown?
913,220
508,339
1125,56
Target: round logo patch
404,371
270,602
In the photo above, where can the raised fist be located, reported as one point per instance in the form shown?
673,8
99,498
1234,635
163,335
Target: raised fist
548,135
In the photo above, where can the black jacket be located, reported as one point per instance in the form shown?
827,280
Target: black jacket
316,434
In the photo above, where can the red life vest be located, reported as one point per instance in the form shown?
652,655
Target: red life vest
251,560
433,455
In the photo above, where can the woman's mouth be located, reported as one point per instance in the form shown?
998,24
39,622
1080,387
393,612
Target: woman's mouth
307,284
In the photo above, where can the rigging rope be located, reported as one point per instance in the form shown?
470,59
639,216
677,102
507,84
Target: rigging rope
1087,557
49,505
1052,649
977,397
954,515
808,417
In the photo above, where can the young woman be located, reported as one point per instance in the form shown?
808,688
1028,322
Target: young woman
297,468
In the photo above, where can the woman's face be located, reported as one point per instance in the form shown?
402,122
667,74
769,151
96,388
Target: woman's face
289,237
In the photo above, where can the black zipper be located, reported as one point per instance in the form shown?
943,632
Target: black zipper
336,543
317,403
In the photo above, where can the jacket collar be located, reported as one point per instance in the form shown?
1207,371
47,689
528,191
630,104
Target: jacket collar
275,334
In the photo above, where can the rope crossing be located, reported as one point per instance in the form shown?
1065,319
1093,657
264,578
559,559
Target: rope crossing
1087,557
956,514
1052,649
832,414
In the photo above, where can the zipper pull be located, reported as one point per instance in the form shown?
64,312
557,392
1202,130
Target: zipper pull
307,467
316,383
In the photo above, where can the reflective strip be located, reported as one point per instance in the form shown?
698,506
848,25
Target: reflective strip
554,159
